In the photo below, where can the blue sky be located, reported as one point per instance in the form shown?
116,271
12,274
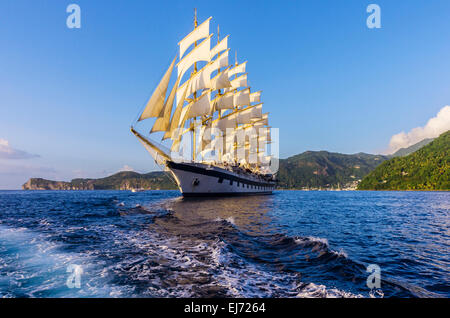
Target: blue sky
68,96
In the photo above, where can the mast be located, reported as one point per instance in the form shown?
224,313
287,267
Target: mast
233,102
195,93
218,70
235,144
219,93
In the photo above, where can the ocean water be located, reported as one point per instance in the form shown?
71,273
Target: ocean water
289,244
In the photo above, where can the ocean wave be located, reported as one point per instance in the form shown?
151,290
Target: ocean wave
312,290
33,266
139,246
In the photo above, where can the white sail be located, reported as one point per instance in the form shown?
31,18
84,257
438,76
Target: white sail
263,159
229,87
242,155
257,126
156,102
210,146
265,119
200,107
163,121
240,68
229,144
265,131
219,62
241,81
176,119
225,123
242,97
202,79
225,101
221,46
199,53
262,121
208,142
255,97
245,117
200,32
257,112
221,80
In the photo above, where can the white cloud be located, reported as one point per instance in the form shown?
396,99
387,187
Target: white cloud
126,168
8,152
434,127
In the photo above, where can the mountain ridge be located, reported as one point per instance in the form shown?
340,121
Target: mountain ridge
413,148
328,169
308,170
324,169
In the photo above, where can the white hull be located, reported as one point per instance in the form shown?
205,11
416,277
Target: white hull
196,179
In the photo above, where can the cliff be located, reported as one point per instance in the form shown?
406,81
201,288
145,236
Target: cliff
125,180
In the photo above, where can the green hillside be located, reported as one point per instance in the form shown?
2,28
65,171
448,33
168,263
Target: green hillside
125,180
322,169
134,180
406,151
426,169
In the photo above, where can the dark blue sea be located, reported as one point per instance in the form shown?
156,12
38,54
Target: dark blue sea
289,244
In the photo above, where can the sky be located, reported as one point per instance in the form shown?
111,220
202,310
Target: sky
69,96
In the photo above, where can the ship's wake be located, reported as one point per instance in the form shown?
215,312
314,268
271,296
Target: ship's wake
214,257
175,248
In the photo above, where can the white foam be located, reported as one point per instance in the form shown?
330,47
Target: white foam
324,241
230,220
36,267
312,290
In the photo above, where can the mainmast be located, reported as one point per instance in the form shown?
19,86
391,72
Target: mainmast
219,112
194,148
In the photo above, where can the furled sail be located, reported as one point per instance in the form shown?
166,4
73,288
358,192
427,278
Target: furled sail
156,102
200,32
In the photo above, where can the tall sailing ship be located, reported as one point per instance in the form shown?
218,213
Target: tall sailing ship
219,139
